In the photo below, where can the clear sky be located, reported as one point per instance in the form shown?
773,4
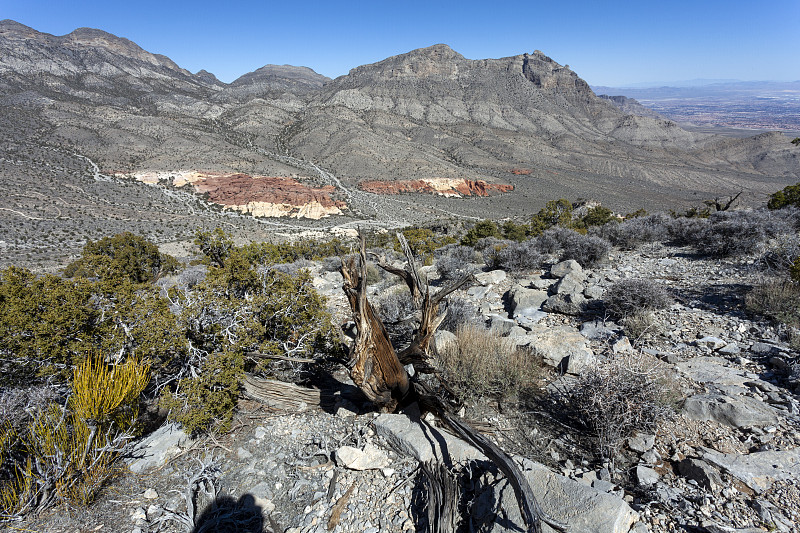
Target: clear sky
606,43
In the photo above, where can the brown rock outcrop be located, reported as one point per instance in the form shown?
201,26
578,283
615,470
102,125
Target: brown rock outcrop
442,186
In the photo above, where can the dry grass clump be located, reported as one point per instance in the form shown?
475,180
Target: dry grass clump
620,396
776,298
482,363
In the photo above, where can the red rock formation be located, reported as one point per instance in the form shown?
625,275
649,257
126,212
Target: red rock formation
441,186
520,171
241,189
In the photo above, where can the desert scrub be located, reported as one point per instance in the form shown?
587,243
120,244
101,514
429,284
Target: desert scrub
460,312
635,296
454,261
481,230
588,250
515,256
789,196
635,232
632,302
65,453
396,310
481,363
618,397
735,233
206,402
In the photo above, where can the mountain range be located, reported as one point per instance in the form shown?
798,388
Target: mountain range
94,112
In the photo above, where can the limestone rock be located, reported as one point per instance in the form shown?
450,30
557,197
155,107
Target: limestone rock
370,458
423,442
700,471
565,304
559,270
641,442
758,470
490,278
584,509
526,301
734,411
442,339
157,448
564,348
646,476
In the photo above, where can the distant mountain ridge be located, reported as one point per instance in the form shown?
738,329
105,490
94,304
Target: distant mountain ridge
522,121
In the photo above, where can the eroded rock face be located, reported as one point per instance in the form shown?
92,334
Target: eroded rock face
454,188
260,196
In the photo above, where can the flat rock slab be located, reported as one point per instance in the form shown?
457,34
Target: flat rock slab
731,410
424,442
758,470
157,448
584,509
712,371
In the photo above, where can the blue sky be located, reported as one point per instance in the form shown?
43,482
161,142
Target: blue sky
606,43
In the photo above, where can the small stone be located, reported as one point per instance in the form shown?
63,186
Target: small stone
150,494
243,454
260,432
371,457
646,476
641,442
714,343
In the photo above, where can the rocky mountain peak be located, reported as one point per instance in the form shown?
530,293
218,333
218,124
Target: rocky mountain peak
9,27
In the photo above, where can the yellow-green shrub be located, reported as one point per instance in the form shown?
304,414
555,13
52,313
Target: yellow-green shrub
67,452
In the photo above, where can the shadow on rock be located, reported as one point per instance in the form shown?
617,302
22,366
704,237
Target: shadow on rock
227,515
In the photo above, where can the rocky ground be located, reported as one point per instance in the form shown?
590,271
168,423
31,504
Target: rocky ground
728,461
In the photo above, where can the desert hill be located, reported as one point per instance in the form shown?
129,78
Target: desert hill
431,119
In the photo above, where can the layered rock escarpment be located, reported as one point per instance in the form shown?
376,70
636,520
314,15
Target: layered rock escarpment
261,196
453,188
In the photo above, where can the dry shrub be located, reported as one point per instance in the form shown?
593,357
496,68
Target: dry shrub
482,363
776,298
635,296
620,396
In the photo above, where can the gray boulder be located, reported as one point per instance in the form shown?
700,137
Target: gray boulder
584,509
525,301
559,270
490,278
501,324
565,304
758,470
569,284
442,339
157,448
700,471
564,348
734,411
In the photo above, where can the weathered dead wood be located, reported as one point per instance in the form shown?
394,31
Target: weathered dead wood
378,372
532,513
259,355
443,496
375,368
282,395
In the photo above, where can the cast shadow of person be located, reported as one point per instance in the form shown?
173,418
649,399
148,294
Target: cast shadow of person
227,515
